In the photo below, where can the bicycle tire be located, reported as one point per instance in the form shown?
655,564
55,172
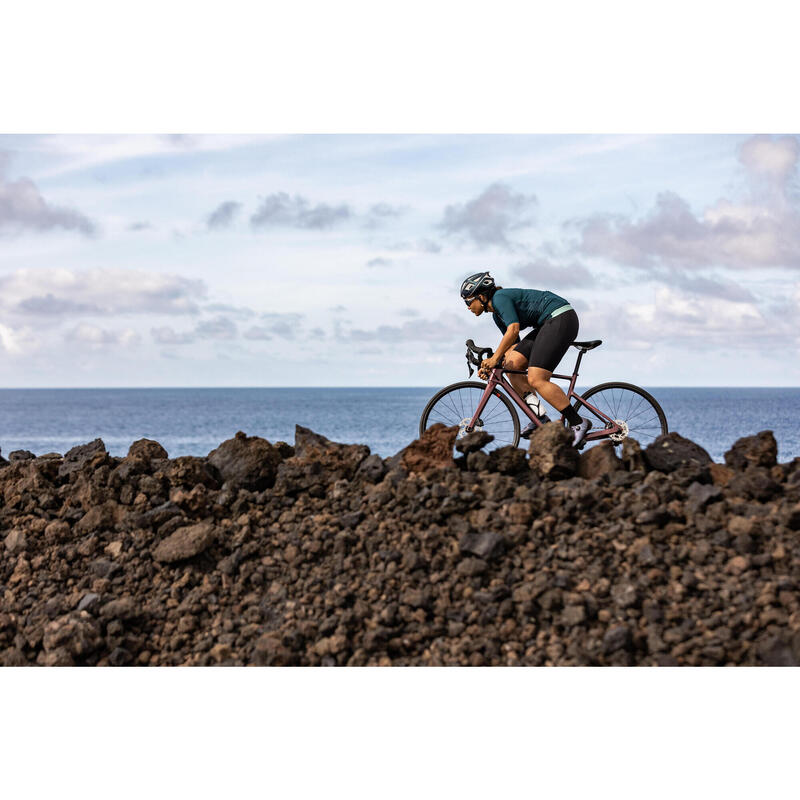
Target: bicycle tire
466,411
648,427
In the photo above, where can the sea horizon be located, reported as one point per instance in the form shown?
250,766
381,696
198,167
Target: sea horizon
195,420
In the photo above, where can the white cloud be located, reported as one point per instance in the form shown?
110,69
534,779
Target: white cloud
96,337
223,215
102,292
22,208
759,230
297,212
217,328
491,217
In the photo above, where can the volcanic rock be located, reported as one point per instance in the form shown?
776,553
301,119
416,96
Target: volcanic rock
472,442
434,449
246,462
760,450
551,453
671,451
185,542
598,460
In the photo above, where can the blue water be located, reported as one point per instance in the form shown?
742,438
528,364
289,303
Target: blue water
195,421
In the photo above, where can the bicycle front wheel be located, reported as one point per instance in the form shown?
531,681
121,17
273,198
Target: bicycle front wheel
634,409
456,405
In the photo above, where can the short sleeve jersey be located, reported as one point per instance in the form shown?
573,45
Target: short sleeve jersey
527,307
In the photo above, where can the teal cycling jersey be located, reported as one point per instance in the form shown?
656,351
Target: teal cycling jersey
529,308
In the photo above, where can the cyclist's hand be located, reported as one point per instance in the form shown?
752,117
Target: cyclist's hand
487,365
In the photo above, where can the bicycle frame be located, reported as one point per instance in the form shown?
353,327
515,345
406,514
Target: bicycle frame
497,379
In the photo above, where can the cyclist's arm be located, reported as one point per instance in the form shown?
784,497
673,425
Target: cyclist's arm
510,338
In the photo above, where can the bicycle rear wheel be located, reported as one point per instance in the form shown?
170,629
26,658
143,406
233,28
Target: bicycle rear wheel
456,405
637,411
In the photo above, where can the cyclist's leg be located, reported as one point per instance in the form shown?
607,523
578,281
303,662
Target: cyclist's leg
553,341
517,358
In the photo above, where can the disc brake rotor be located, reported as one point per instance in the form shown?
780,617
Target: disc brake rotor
462,426
623,434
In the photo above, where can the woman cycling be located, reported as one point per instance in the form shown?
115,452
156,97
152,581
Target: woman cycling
555,326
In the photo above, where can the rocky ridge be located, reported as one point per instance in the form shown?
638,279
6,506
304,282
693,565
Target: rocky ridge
325,554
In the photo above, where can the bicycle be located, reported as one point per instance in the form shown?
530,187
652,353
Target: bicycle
631,411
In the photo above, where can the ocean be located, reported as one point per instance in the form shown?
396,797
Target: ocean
195,421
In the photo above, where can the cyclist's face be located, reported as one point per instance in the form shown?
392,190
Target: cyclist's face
475,306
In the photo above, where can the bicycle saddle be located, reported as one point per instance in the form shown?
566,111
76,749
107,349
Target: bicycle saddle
585,346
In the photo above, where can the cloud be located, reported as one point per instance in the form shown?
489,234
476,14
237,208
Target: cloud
22,208
759,230
139,226
16,341
408,312
421,245
296,212
167,335
102,292
489,219
721,288
283,325
96,337
446,328
241,312
217,328
380,213
380,262
223,215
543,273
676,318
257,333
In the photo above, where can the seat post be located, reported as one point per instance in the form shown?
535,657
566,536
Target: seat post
581,351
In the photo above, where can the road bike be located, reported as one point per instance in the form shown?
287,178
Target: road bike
617,411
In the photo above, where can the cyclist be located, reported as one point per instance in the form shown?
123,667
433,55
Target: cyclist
555,326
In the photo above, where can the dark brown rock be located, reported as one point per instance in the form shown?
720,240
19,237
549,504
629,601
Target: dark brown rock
598,461
186,542
146,449
671,451
433,450
246,462
472,442
760,450
551,454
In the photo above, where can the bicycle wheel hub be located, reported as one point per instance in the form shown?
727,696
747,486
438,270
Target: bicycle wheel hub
623,434
462,426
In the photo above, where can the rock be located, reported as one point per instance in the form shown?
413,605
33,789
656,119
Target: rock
77,633
269,651
617,637
720,475
551,454
113,549
483,545
246,462
760,450
20,455
78,457
506,460
88,602
185,542
123,609
472,442
16,541
433,450
147,450
598,461
189,471
632,456
699,495
371,469
102,517
671,451
755,483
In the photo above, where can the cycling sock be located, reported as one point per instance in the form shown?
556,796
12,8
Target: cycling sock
571,415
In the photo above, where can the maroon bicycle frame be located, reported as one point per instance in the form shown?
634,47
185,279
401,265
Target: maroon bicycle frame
497,377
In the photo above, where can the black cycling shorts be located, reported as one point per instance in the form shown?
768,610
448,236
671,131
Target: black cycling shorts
544,347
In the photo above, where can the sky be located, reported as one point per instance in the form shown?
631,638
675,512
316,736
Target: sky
335,260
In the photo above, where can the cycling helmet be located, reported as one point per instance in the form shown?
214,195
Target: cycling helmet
479,283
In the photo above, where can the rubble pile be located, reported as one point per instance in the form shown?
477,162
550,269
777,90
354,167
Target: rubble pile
324,554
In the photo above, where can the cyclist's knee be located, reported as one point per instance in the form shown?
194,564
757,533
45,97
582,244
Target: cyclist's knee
515,360
538,377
